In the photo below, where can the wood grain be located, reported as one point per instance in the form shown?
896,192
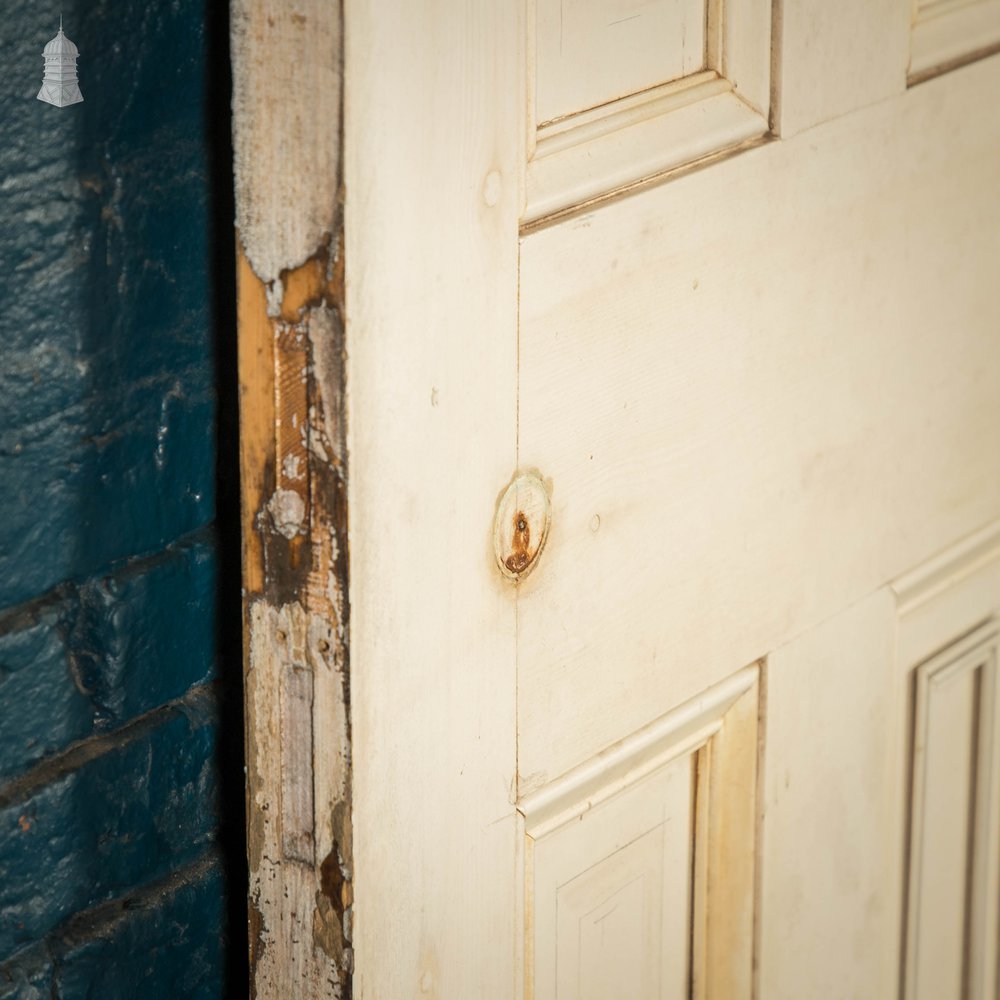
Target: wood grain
946,660
773,401
433,136
287,82
286,67
831,885
831,59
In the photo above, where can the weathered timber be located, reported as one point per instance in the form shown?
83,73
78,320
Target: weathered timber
286,128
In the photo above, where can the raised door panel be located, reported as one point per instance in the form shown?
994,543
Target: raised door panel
639,865
954,833
612,894
947,651
590,53
622,91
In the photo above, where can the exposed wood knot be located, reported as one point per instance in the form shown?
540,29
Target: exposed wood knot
521,524
520,557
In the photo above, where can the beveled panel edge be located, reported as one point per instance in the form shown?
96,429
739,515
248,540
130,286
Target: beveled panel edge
710,119
681,731
952,37
976,651
610,150
943,571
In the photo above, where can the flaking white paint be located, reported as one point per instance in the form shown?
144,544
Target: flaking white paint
284,215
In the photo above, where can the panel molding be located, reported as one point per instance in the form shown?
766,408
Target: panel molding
947,33
673,806
948,595
972,961
599,151
948,569
681,731
948,644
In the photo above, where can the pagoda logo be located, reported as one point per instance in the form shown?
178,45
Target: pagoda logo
59,85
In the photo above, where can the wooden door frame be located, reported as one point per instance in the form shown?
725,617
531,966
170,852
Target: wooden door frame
287,113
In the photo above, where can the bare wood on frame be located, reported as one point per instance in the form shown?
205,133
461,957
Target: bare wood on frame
286,128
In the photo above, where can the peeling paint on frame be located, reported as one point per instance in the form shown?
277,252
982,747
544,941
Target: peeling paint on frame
294,496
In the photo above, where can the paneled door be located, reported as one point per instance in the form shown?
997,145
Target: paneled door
674,418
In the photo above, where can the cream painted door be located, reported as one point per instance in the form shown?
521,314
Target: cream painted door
703,296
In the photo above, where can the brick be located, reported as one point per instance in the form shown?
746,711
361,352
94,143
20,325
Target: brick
83,490
170,946
107,404
150,479
163,294
44,709
96,655
166,940
29,976
146,634
108,300
124,818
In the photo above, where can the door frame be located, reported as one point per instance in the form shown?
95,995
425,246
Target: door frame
287,125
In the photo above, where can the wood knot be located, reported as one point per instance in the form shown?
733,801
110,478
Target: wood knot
520,557
521,525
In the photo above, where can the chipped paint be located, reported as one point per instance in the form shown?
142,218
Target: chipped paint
290,467
288,830
287,508
286,131
294,462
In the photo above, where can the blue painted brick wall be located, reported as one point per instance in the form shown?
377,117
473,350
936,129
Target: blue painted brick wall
141,807
93,655
119,777
129,948
106,424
